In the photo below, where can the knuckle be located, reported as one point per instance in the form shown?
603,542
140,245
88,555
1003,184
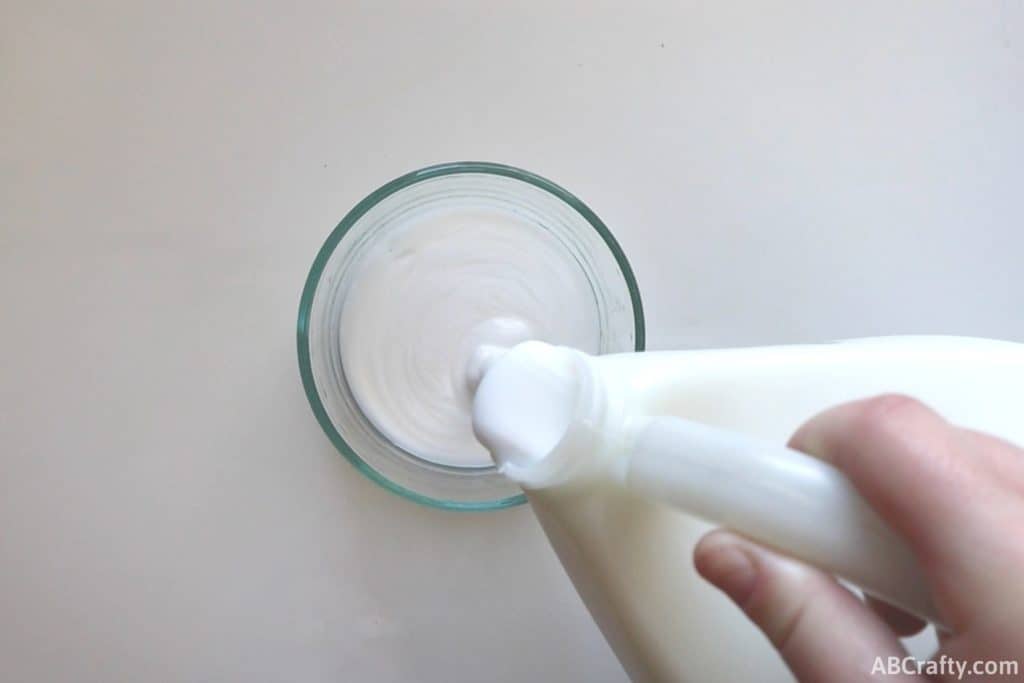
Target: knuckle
784,634
887,414
781,601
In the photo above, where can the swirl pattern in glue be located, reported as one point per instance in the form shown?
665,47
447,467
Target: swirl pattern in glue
433,291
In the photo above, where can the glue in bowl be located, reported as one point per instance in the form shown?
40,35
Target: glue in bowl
588,246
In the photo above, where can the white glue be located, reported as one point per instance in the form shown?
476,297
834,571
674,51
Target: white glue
602,443
430,294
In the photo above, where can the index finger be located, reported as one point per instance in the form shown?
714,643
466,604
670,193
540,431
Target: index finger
909,464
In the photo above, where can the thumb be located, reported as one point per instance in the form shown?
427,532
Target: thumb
822,630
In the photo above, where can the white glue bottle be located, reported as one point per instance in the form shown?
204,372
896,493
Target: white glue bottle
629,459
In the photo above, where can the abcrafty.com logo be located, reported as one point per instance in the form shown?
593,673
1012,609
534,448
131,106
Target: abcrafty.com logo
944,667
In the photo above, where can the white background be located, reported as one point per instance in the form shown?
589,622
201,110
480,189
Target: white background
170,510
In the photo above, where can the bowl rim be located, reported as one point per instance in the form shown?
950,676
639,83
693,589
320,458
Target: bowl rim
350,219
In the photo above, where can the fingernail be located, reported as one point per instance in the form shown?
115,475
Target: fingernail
726,565
808,440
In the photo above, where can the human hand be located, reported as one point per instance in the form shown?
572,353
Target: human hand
955,496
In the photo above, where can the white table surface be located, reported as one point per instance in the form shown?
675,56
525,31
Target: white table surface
170,510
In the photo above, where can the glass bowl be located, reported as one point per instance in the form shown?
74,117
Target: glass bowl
589,246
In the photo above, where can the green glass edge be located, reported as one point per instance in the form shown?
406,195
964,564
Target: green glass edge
313,279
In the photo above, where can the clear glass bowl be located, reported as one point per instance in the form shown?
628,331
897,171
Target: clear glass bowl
588,243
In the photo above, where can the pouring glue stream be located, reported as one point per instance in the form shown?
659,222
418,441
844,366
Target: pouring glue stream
613,450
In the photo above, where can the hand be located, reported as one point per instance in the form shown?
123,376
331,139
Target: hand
956,497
